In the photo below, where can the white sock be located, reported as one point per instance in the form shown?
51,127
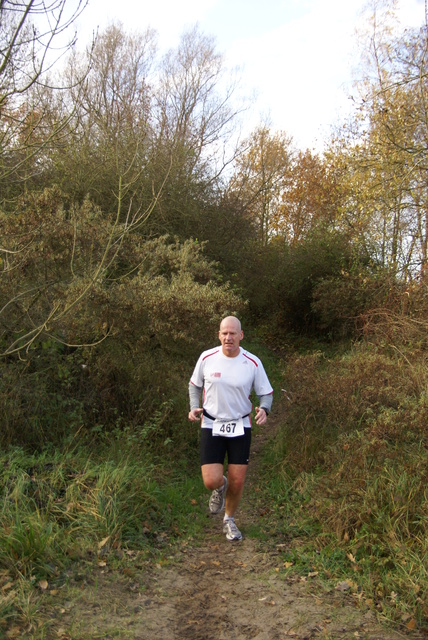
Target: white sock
226,518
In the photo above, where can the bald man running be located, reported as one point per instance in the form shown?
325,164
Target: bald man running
227,375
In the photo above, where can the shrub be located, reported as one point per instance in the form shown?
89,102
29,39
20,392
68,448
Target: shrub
97,325
354,446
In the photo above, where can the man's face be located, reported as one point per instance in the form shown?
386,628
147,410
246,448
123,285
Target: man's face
230,336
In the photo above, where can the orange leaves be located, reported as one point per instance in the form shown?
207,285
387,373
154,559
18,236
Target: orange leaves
310,196
260,177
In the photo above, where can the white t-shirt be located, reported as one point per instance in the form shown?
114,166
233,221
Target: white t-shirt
228,383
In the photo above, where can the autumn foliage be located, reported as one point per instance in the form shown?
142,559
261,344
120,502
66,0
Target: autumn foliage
133,217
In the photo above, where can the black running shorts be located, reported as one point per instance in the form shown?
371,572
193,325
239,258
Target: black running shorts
214,448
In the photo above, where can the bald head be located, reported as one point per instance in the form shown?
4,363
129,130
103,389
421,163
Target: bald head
229,320
230,335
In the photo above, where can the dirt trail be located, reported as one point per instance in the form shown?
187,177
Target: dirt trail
218,591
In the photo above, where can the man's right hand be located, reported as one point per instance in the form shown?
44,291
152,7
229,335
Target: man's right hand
195,415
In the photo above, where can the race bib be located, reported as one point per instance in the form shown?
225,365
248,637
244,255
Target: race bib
228,428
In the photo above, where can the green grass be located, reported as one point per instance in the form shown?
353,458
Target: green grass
342,490
345,477
61,511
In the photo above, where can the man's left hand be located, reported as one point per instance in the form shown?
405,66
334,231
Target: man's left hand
261,416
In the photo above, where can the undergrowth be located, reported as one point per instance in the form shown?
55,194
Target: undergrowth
343,483
346,475
106,496
62,513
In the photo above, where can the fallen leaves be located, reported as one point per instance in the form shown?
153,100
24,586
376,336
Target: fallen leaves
103,543
412,625
345,585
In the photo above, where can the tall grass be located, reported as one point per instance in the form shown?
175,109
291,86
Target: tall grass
64,508
351,471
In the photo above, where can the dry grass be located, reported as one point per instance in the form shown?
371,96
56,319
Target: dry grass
355,447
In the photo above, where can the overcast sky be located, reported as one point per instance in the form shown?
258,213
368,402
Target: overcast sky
297,55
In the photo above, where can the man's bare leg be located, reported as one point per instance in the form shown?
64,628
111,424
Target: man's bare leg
236,478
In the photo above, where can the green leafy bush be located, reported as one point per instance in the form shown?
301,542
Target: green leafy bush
98,326
281,280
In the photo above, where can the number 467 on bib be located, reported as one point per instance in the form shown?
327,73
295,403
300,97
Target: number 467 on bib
228,428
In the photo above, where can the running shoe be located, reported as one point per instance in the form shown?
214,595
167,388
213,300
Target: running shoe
231,530
218,498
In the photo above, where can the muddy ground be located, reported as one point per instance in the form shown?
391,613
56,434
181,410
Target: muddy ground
212,589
